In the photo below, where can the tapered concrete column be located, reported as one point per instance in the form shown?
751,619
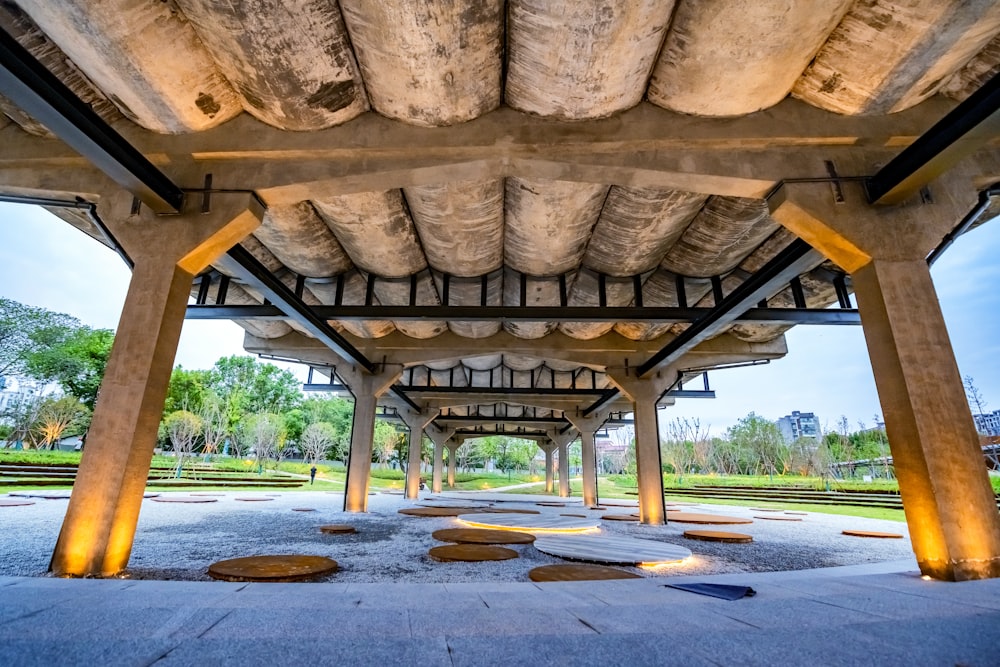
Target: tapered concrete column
439,438
453,446
561,442
367,388
588,452
416,422
99,527
549,473
949,504
644,394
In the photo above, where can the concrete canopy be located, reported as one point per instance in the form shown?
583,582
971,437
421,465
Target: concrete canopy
650,155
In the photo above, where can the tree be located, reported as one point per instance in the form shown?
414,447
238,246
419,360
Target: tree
762,438
976,401
20,413
74,357
386,440
261,387
57,414
317,439
18,326
187,390
183,428
214,425
264,432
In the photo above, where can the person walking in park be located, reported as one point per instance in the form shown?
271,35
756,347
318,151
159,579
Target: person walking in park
312,475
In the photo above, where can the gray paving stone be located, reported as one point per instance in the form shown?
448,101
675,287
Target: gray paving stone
890,604
817,645
270,623
575,651
328,649
73,622
37,652
664,621
494,622
413,596
794,613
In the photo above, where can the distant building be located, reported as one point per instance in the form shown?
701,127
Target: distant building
799,425
989,423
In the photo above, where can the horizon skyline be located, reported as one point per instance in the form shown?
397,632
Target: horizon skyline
826,370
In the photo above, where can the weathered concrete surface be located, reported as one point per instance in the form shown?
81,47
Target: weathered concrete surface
660,289
121,44
576,61
19,25
983,67
910,48
290,61
725,231
428,64
734,57
300,239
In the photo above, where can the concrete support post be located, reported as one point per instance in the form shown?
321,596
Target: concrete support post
949,503
644,394
416,422
561,442
453,446
99,527
549,473
439,438
588,452
366,389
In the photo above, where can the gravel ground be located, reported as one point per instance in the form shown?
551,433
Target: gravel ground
179,541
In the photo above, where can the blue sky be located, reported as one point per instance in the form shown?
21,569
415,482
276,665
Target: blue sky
46,262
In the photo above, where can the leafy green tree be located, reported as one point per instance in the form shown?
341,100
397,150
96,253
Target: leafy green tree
20,413
186,391
336,411
74,357
762,438
385,442
19,326
265,433
260,387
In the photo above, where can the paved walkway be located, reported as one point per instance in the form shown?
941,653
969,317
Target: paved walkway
880,614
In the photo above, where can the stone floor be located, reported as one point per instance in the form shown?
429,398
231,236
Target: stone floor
878,614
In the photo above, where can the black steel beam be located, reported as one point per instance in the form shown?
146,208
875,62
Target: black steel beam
689,393
37,92
321,386
510,434
777,316
511,391
246,267
797,258
966,129
473,418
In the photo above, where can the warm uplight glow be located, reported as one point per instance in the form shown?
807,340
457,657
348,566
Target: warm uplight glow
926,577
667,564
528,529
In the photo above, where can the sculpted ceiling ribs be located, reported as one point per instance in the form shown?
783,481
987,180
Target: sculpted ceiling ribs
184,66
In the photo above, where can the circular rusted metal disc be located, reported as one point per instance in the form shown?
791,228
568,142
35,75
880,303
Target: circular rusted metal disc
775,517
272,568
503,510
482,536
8,502
620,517
547,503
183,499
252,499
579,572
337,529
471,553
303,509
436,511
873,533
717,536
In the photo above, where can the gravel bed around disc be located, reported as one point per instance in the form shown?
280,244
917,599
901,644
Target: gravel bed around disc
179,541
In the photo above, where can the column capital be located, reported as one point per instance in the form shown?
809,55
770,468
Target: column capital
440,437
644,389
852,232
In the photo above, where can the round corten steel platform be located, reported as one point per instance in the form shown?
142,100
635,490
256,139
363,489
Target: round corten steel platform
579,572
8,502
547,503
506,510
694,517
718,536
470,553
272,568
337,529
778,518
611,549
253,499
303,509
620,517
41,494
873,533
436,511
482,536
184,499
